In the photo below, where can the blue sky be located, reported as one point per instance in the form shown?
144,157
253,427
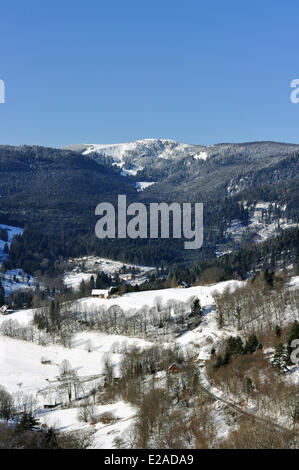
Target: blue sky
112,71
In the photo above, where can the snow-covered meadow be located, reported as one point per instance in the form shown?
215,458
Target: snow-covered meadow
135,300
28,368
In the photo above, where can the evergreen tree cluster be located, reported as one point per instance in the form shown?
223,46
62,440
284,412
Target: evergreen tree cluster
235,347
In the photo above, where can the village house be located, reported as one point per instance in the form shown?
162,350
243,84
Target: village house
5,310
100,293
183,285
49,407
175,368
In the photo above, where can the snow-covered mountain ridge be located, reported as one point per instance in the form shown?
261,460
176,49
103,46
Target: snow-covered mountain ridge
158,148
171,149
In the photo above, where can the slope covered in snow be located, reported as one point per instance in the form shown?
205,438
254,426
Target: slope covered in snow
28,368
153,148
136,300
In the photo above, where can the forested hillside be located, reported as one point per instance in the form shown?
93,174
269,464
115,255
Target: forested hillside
53,193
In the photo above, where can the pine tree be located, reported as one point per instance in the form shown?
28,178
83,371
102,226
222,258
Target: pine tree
82,287
196,309
226,358
91,283
278,331
102,281
234,346
252,345
50,440
27,422
219,362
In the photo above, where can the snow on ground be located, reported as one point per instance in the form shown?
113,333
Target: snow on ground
94,264
105,435
206,336
294,282
136,300
73,280
99,342
116,151
201,156
127,172
173,149
61,419
20,361
108,266
142,185
16,279
266,230
23,374
26,367
122,413
21,370
131,172
120,151
259,226
23,317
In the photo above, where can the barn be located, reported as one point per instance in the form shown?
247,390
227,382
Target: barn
183,285
175,368
100,293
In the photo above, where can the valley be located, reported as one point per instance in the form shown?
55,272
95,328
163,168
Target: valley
92,332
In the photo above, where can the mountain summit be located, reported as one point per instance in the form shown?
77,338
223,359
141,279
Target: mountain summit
158,148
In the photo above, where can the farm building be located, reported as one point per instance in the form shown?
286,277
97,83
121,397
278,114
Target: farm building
100,293
5,310
175,368
183,285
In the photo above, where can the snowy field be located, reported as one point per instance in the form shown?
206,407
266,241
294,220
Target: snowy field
142,185
17,279
23,374
22,371
94,264
21,368
26,367
136,300
73,280
104,434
